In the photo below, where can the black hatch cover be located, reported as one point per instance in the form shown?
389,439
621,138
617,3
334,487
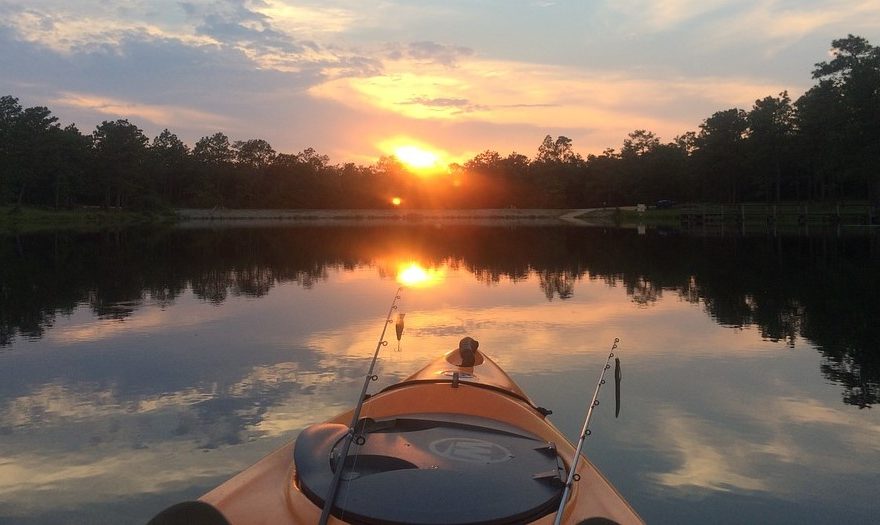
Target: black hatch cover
432,470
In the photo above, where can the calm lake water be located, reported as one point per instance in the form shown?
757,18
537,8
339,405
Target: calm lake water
143,367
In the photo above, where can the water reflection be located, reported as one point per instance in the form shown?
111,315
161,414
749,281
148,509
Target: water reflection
824,289
136,365
412,275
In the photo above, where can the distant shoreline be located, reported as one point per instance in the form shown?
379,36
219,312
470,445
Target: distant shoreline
470,216
27,219
686,217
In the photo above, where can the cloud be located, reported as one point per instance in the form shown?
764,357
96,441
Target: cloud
717,27
792,433
779,24
193,87
251,31
446,55
308,21
161,115
96,433
714,21
438,73
144,319
263,31
461,105
810,412
665,15
440,102
67,31
546,96
547,329
710,458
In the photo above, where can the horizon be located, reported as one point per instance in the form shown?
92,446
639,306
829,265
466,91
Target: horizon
441,82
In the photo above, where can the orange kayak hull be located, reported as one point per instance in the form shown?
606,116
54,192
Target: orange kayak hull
270,491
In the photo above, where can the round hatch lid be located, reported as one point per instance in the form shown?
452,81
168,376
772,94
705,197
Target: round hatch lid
431,472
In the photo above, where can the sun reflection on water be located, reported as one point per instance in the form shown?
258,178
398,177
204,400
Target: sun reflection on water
414,275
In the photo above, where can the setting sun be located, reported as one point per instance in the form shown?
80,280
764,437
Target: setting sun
396,201
416,157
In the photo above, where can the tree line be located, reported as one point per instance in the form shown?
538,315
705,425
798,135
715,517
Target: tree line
824,146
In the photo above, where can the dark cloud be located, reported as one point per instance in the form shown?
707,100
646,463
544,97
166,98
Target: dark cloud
234,31
428,51
462,104
358,66
235,23
440,102
189,8
465,105
439,53
153,71
526,106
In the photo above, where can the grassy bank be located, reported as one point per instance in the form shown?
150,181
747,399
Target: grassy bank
26,219
784,214
652,216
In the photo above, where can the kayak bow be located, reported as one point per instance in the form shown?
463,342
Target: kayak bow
458,442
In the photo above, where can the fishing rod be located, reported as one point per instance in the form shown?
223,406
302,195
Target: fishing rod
585,431
337,476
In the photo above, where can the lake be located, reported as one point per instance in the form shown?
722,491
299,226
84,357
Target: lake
142,367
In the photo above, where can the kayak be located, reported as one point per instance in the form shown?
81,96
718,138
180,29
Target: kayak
456,443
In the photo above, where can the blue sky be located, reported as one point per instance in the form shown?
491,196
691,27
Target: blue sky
356,79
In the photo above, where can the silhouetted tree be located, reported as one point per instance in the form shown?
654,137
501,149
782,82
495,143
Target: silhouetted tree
255,154
71,161
854,76
120,155
557,169
638,143
771,129
559,151
720,153
214,151
821,141
171,167
27,143
214,157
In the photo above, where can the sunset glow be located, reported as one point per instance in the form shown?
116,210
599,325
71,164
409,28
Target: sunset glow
437,72
396,201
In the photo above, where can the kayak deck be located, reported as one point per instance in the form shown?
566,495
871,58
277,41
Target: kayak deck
462,469
451,444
